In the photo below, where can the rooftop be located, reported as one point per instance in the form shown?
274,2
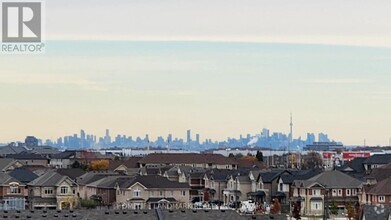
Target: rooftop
187,158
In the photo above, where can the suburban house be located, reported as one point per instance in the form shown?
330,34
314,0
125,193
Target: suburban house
216,182
83,181
238,187
63,160
269,179
67,158
378,194
128,166
52,191
30,159
377,161
103,191
180,173
13,193
11,149
209,161
325,189
354,167
285,180
152,191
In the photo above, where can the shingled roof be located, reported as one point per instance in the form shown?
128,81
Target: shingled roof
333,180
155,182
92,177
6,179
23,175
130,162
378,159
381,188
26,156
187,158
51,178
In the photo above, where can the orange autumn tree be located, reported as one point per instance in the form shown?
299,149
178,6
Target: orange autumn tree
249,158
99,165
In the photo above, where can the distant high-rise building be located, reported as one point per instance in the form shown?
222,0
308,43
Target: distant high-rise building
82,134
265,134
82,138
198,138
188,139
310,138
59,142
323,137
107,138
31,141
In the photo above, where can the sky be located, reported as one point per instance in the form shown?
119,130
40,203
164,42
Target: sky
220,68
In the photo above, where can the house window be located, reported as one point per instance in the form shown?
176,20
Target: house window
334,192
212,184
14,190
348,192
183,193
381,198
316,205
339,192
64,189
316,192
281,186
136,193
354,192
161,193
48,191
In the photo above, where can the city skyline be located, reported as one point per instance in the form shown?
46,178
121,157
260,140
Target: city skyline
223,69
84,139
265,139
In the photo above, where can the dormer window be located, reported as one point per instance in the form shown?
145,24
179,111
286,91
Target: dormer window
14,190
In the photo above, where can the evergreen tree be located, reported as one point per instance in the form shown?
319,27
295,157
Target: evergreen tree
259,156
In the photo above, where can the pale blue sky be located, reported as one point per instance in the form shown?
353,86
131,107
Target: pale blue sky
162,67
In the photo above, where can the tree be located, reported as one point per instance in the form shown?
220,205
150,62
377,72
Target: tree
312,160
76,164
99,165
88,203
296,210
249,158
238,155
231,155
206,196
276,206
334,208
350,210
259,156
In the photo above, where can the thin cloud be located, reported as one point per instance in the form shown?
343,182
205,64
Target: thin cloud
336,81
49,80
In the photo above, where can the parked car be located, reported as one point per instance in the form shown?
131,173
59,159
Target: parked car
234,205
